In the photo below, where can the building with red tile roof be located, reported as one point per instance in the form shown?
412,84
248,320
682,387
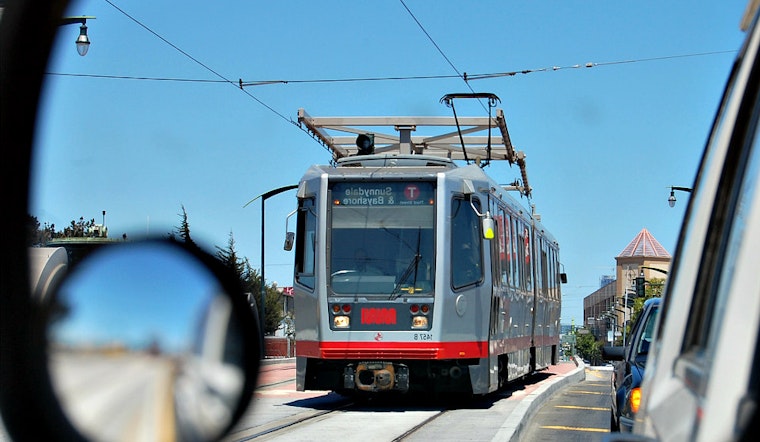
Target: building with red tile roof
643,256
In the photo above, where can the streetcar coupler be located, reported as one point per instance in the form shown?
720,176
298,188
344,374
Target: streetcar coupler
376,376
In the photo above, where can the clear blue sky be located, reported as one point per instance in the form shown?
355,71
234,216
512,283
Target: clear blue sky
109,305
602,143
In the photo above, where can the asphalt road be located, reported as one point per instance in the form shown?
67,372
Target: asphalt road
576,412
563,403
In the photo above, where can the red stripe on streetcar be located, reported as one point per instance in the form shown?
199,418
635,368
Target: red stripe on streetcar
392,350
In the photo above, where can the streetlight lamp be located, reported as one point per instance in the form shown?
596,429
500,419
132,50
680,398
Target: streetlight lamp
264,197
625,320
614,318
672,197
83,41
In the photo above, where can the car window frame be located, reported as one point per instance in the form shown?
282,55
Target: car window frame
692,364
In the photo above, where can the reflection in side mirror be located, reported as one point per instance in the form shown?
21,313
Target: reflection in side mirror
290,237
146,339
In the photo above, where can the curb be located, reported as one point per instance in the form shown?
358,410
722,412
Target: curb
513,426
272,361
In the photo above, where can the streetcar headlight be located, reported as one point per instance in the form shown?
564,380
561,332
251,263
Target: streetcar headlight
419,322
341,321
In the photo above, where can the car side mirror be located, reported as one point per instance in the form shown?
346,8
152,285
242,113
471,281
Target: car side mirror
151,338
613,353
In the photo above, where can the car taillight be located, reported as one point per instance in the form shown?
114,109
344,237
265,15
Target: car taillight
635,399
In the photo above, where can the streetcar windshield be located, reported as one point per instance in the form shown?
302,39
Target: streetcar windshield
382,238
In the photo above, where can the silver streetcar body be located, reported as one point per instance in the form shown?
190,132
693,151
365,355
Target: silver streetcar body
413,273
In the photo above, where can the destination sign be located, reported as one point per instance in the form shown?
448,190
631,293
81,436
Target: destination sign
383,194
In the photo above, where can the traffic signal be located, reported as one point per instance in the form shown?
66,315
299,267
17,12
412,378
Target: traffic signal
366,144
640,292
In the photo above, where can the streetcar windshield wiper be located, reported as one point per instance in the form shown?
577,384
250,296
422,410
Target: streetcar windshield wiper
410,269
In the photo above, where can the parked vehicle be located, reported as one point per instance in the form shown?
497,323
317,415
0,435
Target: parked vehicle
702,381
629,368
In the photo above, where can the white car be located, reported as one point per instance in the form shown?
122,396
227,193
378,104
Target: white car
702,382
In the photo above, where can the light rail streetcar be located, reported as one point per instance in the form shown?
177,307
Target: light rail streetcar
414,273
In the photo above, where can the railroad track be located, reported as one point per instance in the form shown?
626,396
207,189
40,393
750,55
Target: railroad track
388,422
281,427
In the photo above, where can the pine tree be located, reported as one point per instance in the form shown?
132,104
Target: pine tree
183,230
250,280
249,277
273,314
230,259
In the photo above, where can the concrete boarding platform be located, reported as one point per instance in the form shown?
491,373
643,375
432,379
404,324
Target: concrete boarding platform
510,413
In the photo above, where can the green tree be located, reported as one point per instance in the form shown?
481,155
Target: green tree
251,281
183,231
654,289
588,348
229,257
77,229
252,286
36,236
273,311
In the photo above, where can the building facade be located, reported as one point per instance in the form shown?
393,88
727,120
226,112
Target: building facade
606,310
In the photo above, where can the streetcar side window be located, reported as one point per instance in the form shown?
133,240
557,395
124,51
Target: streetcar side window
515,256
306,243
466,244
545,282
502,219
553,274
523,255
496,254
519,255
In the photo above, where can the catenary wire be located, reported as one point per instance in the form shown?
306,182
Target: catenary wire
464,76
197,61
469,77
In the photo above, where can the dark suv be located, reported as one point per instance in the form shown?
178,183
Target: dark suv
629,368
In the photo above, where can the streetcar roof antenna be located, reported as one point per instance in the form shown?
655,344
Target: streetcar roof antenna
395,136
